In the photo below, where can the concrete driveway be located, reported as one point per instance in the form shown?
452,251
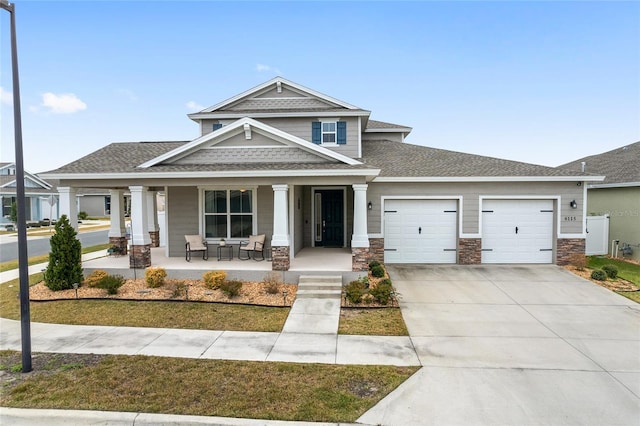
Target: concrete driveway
507,345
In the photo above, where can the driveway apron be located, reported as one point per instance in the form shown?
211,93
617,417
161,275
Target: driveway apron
514,344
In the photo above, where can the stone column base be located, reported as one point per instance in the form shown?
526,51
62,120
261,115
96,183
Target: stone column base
567,247
155,238
280,260
469,251
376,249
120,243
140,256
359,259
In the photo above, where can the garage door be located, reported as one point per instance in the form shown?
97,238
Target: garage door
420,231
517,231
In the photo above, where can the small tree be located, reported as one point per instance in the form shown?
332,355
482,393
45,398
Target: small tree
65,258
13,214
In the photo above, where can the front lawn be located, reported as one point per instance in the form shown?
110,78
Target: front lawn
627,270
261,390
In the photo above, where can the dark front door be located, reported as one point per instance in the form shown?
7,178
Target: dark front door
330,218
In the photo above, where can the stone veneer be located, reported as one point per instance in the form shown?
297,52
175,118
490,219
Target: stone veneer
376,249
155,238
280,260
469,251
566,247
140,256
120,242
359,259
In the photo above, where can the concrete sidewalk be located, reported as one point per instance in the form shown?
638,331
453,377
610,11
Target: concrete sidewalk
34,269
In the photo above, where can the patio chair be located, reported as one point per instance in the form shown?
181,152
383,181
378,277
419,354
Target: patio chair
254,248
195,243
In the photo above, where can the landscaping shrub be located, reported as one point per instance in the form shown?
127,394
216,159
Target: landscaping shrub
83,215
272,283
354,291
578,261
111,283
373,263
179,288
155,277
93,279
599,275
214,279
377,271
231,288
65,264
611,271
382,292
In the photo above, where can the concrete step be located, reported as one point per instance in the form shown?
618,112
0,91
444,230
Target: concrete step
320,279
320,287
335,296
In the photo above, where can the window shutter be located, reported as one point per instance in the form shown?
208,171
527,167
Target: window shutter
316,132
216,126
342,132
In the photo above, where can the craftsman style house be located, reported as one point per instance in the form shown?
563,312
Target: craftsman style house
309,170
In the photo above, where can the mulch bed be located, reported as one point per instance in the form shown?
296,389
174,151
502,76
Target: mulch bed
252,293
617,284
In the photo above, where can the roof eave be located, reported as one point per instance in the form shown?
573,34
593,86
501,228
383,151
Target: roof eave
235,115
489,179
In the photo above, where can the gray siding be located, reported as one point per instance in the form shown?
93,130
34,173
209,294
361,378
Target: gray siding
298,218
182,211
570,219
387,136
265,211
93,205
251,155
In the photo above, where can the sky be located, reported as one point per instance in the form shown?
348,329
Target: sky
543,82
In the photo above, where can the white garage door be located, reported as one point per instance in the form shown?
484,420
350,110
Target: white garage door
420,231
517,231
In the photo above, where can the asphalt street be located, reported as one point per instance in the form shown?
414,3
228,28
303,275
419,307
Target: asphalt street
37,246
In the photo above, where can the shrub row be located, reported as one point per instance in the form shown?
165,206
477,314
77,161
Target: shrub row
610,271
101,279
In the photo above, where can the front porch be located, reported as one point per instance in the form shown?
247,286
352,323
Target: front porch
308,261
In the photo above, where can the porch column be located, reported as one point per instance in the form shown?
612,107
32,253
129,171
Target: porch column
152,218
68,204
360,238
140,255
117,232
280,250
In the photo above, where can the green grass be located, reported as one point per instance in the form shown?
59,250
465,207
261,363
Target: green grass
34,260
626,270
372,321
244,389
189,315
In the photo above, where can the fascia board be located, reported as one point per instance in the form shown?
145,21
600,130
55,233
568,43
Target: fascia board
232,128
227,115
389,130
32,178
490,179
614,185
214,174
273,81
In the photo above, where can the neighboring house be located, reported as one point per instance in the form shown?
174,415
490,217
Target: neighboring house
40,194
309,170
618,196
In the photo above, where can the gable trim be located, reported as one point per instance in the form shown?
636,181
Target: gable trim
491,179
278,81
241,123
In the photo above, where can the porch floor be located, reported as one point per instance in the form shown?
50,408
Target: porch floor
307,259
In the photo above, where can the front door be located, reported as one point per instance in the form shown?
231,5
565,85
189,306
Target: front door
329,218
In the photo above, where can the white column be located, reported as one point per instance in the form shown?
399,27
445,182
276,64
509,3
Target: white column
280,236
139,215
117,214
68,204
152,211
360,237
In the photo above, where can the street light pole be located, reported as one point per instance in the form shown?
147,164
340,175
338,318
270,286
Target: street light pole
23,266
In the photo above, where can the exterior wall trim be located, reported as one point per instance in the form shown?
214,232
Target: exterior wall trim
489,179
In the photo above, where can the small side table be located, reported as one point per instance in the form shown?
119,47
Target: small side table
225,252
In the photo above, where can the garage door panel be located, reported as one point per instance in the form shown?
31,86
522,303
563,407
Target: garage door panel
517,231
420,231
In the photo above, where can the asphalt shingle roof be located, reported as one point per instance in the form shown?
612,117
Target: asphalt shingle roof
400,159
620,165
375,124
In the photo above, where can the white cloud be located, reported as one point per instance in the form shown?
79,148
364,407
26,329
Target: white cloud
64,103
194,106
267,68
6,97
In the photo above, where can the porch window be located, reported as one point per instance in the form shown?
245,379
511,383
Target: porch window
228,213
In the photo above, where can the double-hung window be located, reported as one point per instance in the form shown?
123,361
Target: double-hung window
228,213
329,132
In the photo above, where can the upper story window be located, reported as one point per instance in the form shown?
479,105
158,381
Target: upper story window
329,132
